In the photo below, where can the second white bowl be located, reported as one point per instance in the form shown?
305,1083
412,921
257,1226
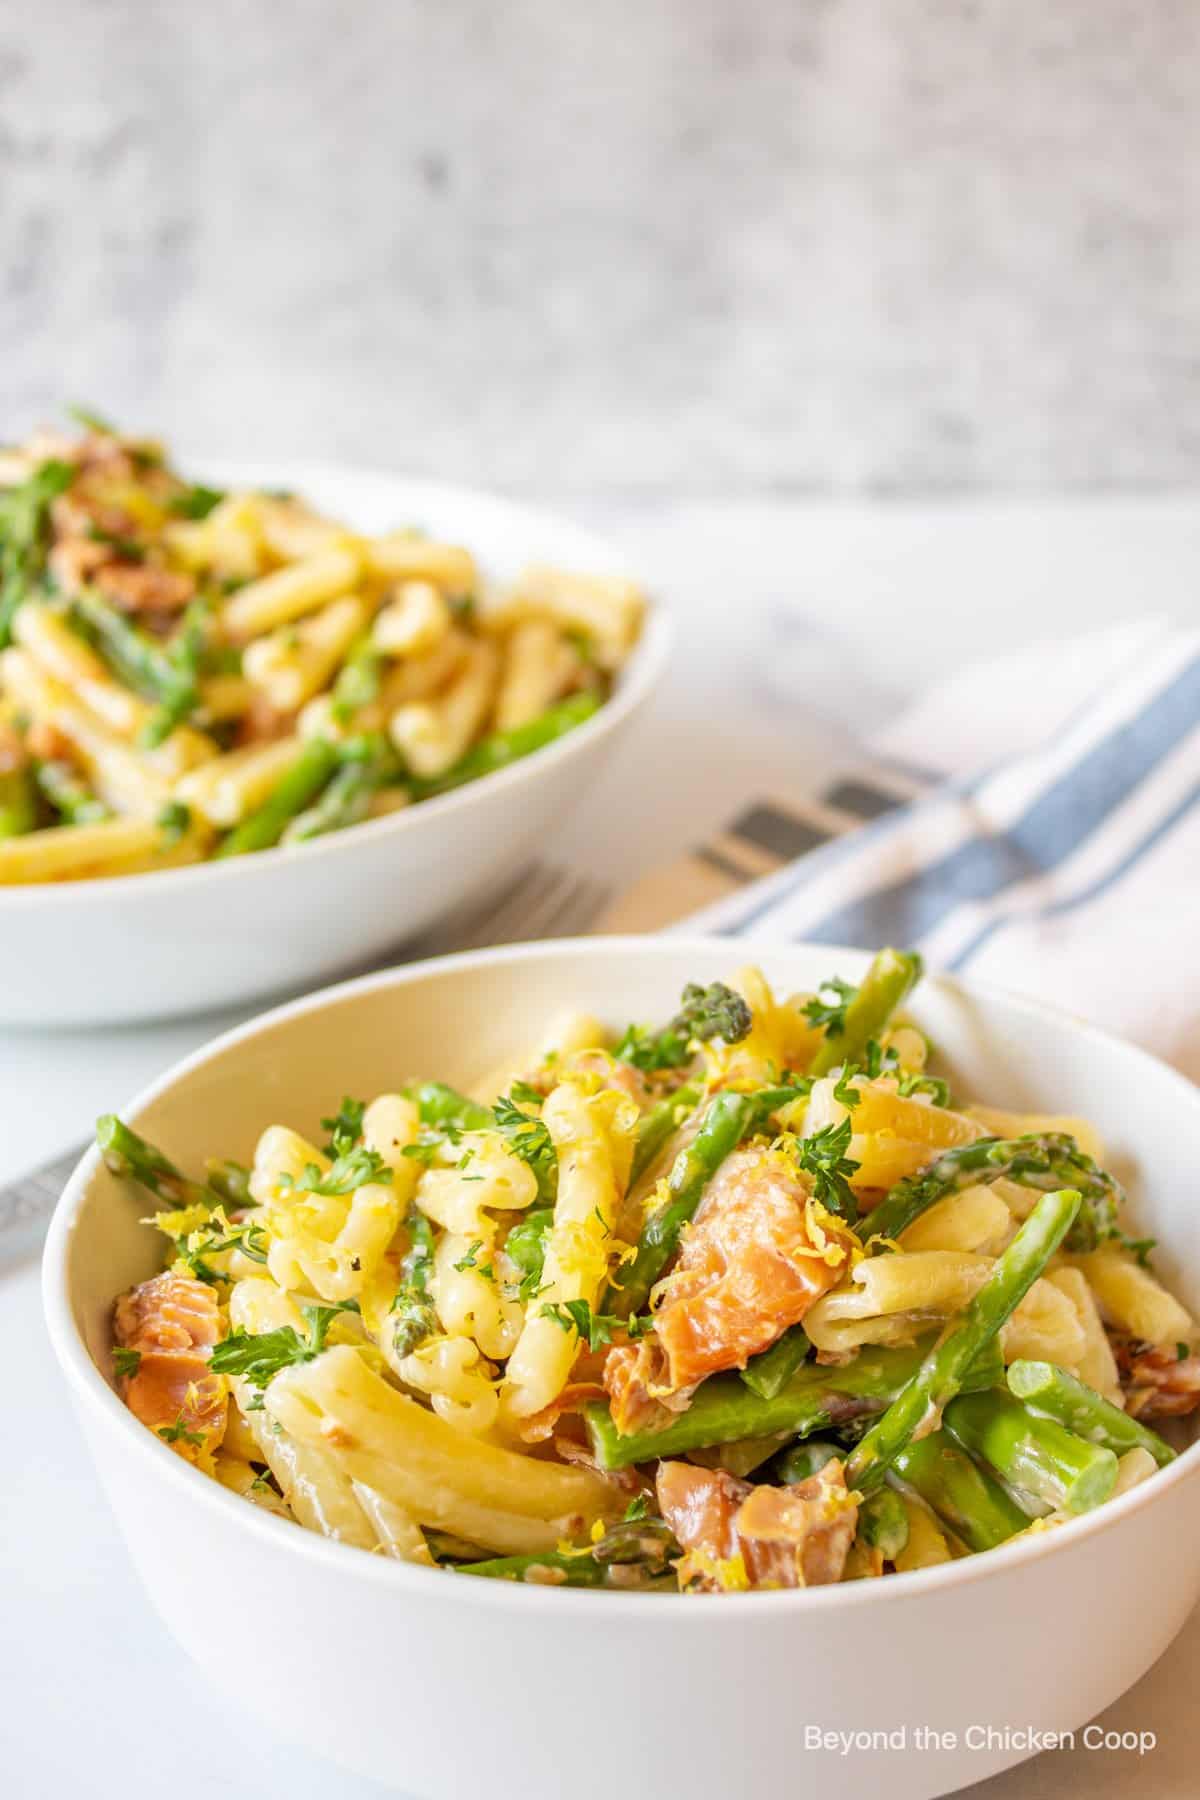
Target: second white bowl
218,933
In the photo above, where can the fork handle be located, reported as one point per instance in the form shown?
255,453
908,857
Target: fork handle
27,1203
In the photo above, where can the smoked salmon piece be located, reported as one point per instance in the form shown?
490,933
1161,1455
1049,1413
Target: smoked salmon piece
1158,1382
751,1264
171,1323
737,1536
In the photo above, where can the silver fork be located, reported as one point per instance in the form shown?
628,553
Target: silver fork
545,902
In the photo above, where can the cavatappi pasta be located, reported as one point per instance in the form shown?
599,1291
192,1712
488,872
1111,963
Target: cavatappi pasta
744,1300
186,673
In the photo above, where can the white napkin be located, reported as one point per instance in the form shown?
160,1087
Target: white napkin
1053,843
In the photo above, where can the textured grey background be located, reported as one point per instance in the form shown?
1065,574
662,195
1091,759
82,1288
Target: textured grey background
631,246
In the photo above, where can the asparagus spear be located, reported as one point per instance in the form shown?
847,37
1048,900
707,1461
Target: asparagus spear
367,763
230,1181
890,979
412,1311
806,1458
1045,1160
963,1496
344,802
724,1409
767,1373
525,1245
505,747
312,768
439,1104
883,1523
1036,1455
640,1547
18,805
184,655
939,1378
358,679
657,1124
1082,1410
723,1127
70,797
127,1153
24,537
136,657
562,1568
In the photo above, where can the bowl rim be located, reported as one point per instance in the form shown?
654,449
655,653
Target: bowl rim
105,1406
635,682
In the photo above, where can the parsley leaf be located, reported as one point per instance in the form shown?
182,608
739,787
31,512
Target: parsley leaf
468,1260
178,1433
823,1157
529,1138
260,1357
352,1170
126,1362
830,1013
594,1329
344,1127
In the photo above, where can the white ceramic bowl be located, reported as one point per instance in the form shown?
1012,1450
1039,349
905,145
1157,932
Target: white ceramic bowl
440,1686
192,939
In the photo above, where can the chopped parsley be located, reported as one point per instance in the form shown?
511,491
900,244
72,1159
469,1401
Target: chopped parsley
823,1157
344,1126
471,1261
352,1170
1182,1352
828,1005
260,1357
178,1433
594,1329
878,1061
530,1139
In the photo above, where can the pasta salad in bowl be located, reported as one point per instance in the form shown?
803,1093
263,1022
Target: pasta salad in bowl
392,686
741,1301
187,672
726,1285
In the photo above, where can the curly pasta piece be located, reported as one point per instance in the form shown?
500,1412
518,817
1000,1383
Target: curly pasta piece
474,1304
332,1244
460,1384
485,1176
594,1137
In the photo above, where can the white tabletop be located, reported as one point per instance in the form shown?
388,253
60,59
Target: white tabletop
794,622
